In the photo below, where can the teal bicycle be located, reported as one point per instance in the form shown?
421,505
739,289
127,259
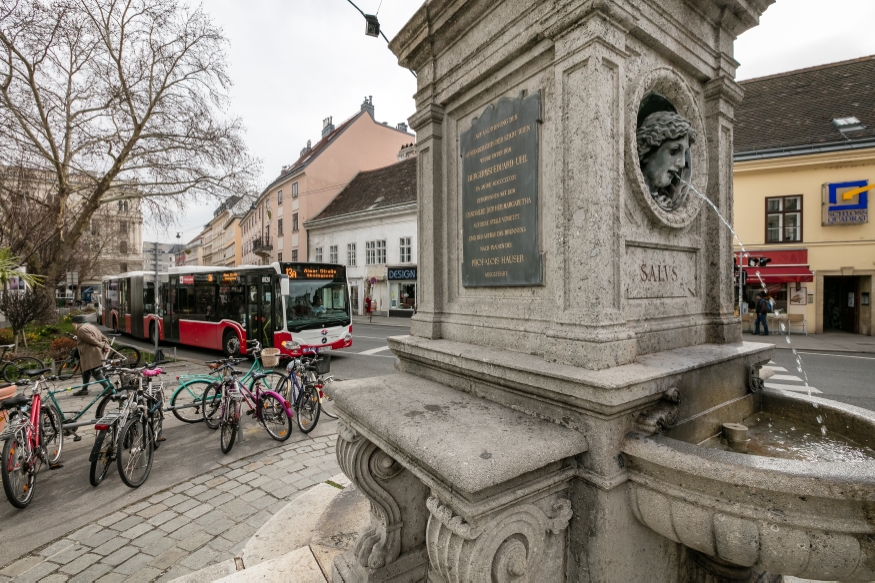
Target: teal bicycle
103,400
187,400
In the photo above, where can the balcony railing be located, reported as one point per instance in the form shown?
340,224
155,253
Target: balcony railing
262,246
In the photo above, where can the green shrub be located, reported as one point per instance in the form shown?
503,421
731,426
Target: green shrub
60,348
6,336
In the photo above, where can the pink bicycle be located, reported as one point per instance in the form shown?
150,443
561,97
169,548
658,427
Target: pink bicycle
32,437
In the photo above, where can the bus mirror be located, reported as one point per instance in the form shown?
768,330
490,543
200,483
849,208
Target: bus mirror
284,285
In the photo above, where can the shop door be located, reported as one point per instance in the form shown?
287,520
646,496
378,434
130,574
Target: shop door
259,309
841,303
354,298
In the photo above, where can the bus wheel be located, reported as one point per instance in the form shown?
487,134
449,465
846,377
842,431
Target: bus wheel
230,343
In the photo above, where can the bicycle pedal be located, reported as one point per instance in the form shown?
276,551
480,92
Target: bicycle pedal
161,439
56,467
250,412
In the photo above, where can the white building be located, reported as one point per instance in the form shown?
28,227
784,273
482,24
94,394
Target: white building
370,227
166,255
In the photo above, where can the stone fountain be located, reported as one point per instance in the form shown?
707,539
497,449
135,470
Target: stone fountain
575,343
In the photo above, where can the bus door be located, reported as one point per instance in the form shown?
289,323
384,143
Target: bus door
171,318
260,308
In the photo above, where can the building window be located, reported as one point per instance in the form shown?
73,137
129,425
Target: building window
294,254
279,197
295,222
295,190
375,252
332,254
123,247
279,257
784,219
279,228
318,254
350,254
122,226
406,250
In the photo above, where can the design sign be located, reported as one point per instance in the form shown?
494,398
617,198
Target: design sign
402,274
500,195
846,203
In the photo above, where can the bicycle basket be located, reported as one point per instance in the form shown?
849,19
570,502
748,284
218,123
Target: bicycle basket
323,365
270,357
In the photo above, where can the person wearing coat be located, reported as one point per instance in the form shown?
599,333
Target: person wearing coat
92,345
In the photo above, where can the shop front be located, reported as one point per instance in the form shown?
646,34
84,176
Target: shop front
788,281
402,291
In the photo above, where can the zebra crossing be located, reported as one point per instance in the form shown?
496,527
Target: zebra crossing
789,382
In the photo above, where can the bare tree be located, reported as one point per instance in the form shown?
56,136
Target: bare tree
21,307
106,100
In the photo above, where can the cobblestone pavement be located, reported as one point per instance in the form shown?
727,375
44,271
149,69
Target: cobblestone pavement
194,524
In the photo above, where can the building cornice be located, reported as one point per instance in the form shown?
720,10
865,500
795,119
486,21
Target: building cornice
806,159
354,217
843,149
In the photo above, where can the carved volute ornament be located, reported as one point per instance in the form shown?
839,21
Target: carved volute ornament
664,141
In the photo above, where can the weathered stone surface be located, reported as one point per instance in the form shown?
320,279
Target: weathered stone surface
299,566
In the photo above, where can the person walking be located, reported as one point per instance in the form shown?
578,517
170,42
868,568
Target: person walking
763,308
91,345
368,307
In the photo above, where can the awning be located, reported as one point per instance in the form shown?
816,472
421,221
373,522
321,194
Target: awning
780,274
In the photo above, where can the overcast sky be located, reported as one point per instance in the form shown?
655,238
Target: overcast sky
296,62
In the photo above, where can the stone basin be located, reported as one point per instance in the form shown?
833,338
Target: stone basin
810,519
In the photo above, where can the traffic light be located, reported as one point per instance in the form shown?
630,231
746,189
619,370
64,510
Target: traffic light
372,25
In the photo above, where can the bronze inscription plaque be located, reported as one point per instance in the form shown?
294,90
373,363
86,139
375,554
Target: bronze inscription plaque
500,195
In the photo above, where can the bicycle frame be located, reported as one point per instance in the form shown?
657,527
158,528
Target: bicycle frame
109,386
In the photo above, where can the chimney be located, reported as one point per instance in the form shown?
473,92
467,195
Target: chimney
306,149
327,126
402,127
368,104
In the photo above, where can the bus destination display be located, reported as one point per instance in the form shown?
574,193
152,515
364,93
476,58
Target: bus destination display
313,272
500,195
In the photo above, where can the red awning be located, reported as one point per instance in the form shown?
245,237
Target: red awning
780,274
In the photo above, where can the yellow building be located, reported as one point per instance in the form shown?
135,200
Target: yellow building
804,157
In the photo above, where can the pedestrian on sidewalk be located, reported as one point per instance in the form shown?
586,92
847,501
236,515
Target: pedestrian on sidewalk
763,308
91,345
368,307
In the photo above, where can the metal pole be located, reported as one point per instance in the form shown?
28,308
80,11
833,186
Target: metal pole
155,298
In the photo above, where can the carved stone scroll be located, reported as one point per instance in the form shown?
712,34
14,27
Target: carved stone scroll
660,416
507,547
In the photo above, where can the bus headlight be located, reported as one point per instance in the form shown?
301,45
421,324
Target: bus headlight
347,337
291,345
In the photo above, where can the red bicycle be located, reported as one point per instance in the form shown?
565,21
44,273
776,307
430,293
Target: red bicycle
33,437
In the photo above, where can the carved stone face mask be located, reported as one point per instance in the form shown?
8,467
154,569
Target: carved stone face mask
665,163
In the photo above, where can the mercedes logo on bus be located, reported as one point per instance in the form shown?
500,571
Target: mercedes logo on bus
324,340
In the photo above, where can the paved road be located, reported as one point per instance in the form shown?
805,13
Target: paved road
841,377
72,530
368,356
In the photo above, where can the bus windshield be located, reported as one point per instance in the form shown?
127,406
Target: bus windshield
316,303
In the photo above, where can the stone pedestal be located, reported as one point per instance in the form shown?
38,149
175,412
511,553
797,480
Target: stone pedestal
496,453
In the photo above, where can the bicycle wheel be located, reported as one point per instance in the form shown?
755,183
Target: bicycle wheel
211,406
273,416
135,451
68,368
282,386
101,456
307,409
189,396
157,422
13,370
229,428
18,476
130,353
52,433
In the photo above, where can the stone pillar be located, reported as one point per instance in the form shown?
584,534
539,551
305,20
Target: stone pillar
589,329
393,545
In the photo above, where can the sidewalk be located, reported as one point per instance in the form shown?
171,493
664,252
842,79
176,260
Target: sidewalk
199,522
828,342
383,321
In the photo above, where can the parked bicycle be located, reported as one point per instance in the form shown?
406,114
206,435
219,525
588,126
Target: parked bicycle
12,368
32,438
186,400
302,385
223,404
130,435
129,356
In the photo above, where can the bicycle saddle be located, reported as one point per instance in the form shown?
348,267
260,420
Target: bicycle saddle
151,372
112,335
32,372
14,402
259,376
